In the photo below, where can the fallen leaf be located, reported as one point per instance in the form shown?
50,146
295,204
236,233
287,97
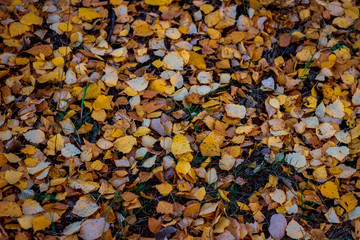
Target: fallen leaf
85,206
70,150
278,196
125,144
329,190
209,147
17,28
41,223
10,209
165,207
295,230
88,14
12,177
296,159
277,226
92,229
235,111
35,136
180,145
331,216
164,188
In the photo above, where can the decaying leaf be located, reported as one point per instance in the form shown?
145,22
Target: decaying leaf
162,119
277,226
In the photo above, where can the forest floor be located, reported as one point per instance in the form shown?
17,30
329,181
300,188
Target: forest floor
163,119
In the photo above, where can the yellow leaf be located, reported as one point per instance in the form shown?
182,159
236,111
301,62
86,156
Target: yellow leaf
97,165
180,145
99,115
158,86
157,63
223,195
12,176
212,18
64,51
141,28
116,133
88,14
207,8
199,194
188,157
125,144
55,143
10,209
306,53
356,44
298,34
102,102
348,201
65,27
214,34
330,63
41,223
11,43
21,61
158,2
165,207
197,60
92,92
58,61
164,188
313,91
210,147
51,76
221,225
17,28
31,19
342,22
303,72
311,102
26,221
343,53
29,149
255,4
142,131
243,206
329,190
320,173
183,167
352,13
279,61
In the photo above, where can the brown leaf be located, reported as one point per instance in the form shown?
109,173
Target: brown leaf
44,49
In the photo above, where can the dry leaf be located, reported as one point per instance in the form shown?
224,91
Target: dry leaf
85,206
329,190
10,209
295,230
92,229
277,226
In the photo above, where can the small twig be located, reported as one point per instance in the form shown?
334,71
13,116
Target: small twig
112,23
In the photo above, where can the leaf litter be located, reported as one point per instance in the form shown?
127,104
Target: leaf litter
179,119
